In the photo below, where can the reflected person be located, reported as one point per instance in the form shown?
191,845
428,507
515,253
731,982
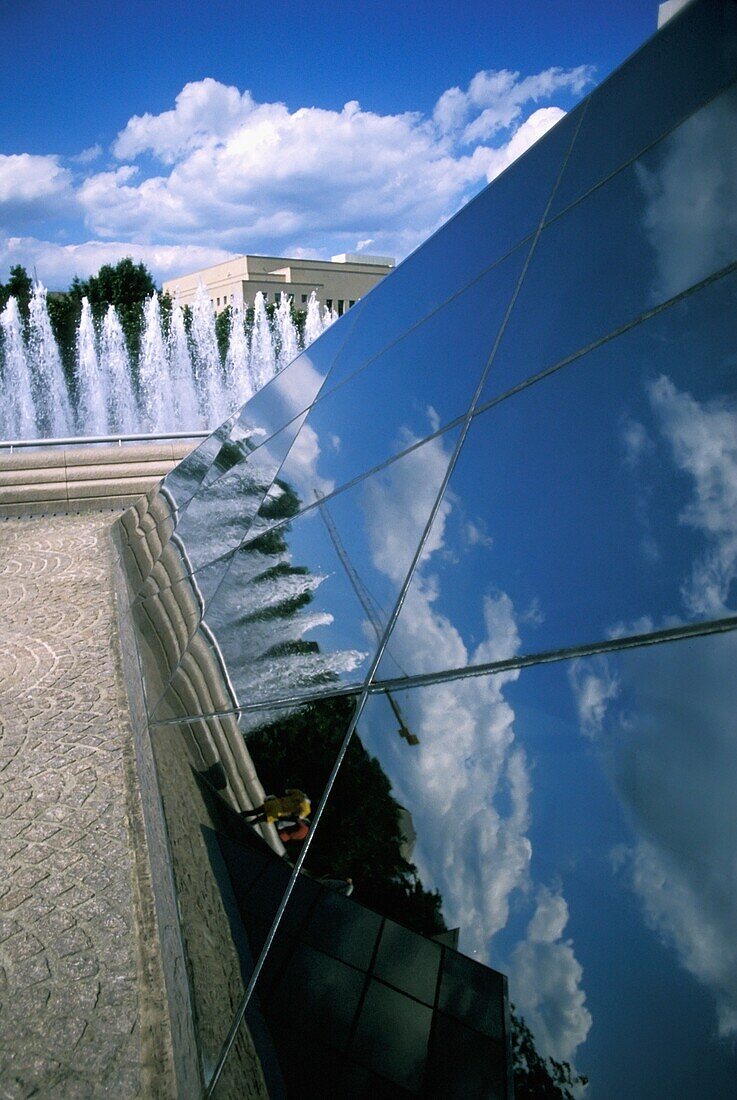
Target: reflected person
292,803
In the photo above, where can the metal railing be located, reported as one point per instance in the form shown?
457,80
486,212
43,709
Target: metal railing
79,441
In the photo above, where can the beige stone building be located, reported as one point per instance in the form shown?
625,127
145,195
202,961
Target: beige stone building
338,283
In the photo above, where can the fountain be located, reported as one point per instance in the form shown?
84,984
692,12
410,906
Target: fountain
54,415
176,383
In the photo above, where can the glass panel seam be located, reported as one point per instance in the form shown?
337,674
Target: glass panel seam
422,320
588,649
288,521
645,149
723,272
385,638
423,679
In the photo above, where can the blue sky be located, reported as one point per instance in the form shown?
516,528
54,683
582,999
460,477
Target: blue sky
99,157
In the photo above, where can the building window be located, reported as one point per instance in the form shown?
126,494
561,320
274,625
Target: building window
218,301
341,306
304,299
352,302
329,303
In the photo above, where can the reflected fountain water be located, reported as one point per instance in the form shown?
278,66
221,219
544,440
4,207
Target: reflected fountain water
177,382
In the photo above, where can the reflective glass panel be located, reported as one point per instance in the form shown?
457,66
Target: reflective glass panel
597,501
426,379
303,605
288,394
231,869
689,60
575,823
374,917
218,518
652,231
187,476
479,235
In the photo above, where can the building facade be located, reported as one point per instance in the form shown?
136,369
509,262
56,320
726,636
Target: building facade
338,283
471,558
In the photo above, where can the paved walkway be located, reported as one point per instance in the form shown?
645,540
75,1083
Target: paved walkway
70,1011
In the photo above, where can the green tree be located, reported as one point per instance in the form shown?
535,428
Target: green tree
360,834
18,286
222,331
535,1077
125,285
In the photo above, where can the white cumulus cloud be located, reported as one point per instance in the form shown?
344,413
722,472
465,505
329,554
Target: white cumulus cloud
546,978
467,782
703,442
691,199
221,171
57,264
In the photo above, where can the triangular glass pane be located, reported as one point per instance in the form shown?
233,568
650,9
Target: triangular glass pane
304,605
484,231
585,282
564,517
423,381
210,774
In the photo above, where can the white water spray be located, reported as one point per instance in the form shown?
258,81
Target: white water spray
177,383
18,412
53,407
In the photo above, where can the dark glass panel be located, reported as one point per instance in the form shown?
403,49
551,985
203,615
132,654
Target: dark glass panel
329,995
341,928
578,822
598,498
392,1035
303,606
464,994
464,1064
426,379
484,231
230,874
652,231
409,962
684,65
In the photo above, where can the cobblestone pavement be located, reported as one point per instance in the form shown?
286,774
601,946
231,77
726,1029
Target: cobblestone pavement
69,1011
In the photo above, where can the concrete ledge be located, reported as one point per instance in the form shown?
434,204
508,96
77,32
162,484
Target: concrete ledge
56,479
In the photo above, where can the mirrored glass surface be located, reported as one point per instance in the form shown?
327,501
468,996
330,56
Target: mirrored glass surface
383,1006
655,229
598,501
187,476
483,232
574,826
304,605
424,381
691,59
160,550
288,394
227,861
218,518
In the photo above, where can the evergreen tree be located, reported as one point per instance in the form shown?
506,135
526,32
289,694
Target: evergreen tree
18,286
